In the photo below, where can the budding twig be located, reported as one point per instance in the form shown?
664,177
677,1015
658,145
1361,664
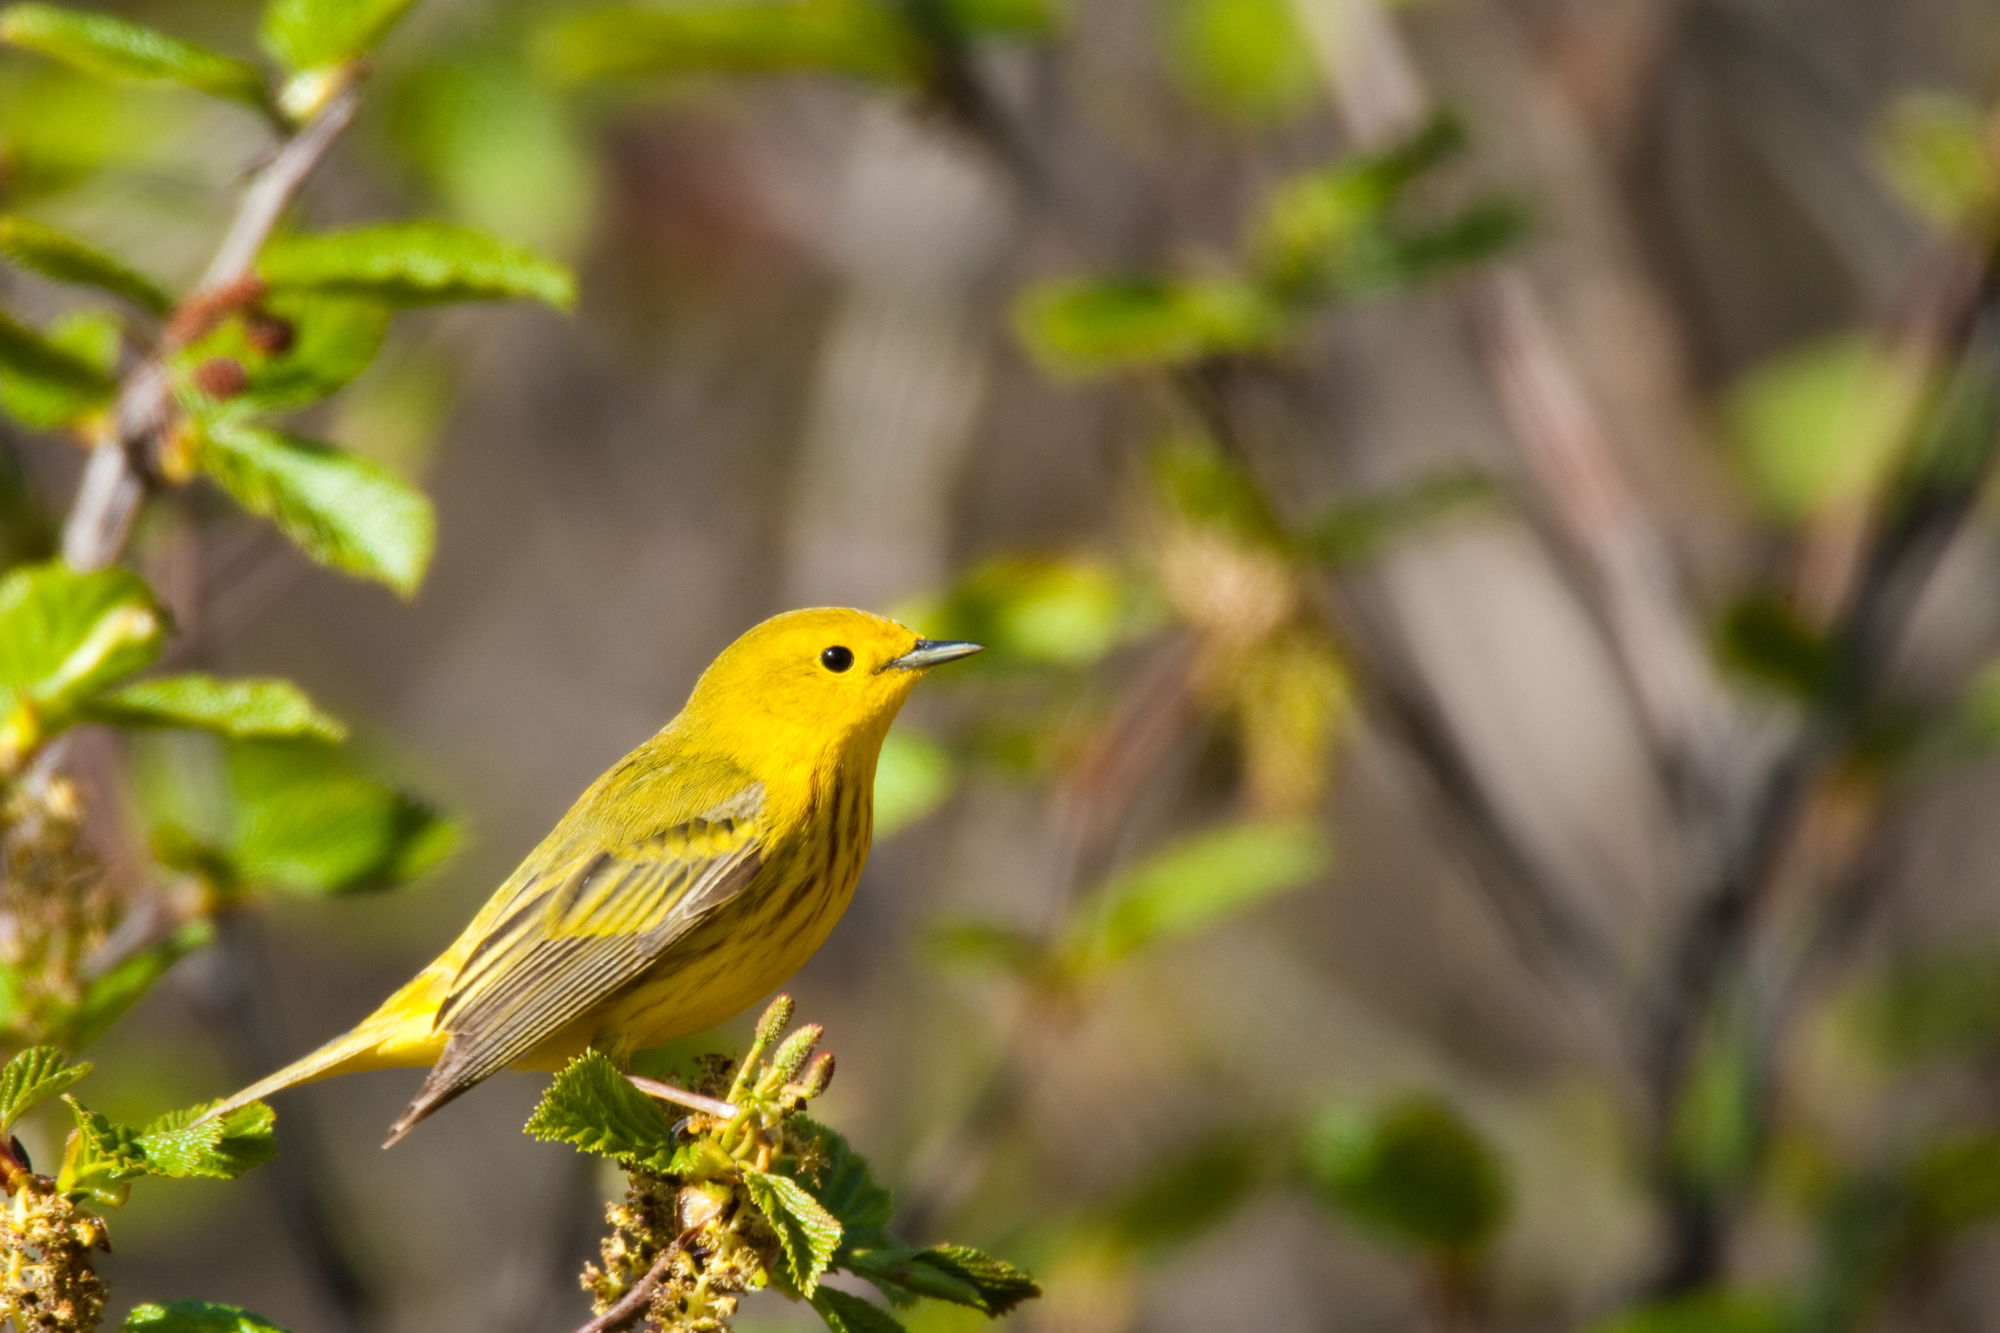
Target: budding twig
634,1302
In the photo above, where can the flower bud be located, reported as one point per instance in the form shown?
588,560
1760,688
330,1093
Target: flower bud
795,1052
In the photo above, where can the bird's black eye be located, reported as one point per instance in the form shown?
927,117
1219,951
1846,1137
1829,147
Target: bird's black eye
837,658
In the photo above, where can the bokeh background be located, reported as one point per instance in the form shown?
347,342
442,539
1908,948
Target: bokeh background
1561,494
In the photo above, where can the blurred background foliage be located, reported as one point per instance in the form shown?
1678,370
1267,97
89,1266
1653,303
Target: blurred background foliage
1470,816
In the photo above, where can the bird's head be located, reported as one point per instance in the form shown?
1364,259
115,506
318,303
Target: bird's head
812,681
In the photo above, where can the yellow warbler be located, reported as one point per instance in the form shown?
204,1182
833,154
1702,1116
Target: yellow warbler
689,881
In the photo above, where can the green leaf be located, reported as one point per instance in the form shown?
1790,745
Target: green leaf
65,636
854,37
33,1076
323,342
62,258
1246,60
107,998
912,778
1928,1007
1356,529
591,1106
1199,1186
1192,884
112,48
1761,639
196,1317
416,263
1936,149
851,1314
847,1188
1314,220
99,1158
1413,1172
1955,1184
1089,326
221,1149
316,34
1208,488
1712,1311
1817,426
243,708
995,1286
970,942
305,821
807,1232
341,510
53,380
1036,610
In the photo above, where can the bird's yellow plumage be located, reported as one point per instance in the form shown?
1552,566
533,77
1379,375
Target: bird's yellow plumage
686,883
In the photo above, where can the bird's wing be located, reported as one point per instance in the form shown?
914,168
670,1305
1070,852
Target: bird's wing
570,937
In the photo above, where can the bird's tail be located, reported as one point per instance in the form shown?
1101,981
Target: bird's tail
378,1041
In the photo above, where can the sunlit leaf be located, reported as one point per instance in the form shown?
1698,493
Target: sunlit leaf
63,258
1192,884
854,37
223,1148
196,1317
1817,426
912,778
341,510
32,1077
114,48
415,263
1089,326
315,34
1247,60
245,708
64,637
99,1158
1938,152
306,821
807,1233
55,379
1413,1172
1047,610
297,348
591,1106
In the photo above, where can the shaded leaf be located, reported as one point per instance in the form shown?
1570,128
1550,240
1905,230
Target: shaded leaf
196,1317
99,1158
851,1314
1413,1172
341,510
107,998
1191,884
807,1232
1357,529
416,263
315,34
1712,1311
63,258
113,48
968,942
996,1285
54,380
1935,147
306,821
1199,1186
32,1077
246,708
854,37
1928,1007
1089,326
848,1190
1955,1183
1762,639
912,778
591,1106
1205,487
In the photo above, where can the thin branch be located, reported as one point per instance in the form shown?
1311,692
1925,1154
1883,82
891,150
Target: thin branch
633,1303
667,1092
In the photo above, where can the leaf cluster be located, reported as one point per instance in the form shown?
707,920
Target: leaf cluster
764,1184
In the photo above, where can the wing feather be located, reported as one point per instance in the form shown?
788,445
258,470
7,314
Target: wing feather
572,936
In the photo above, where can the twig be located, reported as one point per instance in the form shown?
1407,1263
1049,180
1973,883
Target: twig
667,1092
115,482
633,1303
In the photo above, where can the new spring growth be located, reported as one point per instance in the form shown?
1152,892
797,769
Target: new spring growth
775,1020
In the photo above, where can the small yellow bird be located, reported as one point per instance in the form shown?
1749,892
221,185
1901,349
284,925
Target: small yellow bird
689,881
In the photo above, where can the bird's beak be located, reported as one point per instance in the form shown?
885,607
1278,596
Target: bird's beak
930,652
